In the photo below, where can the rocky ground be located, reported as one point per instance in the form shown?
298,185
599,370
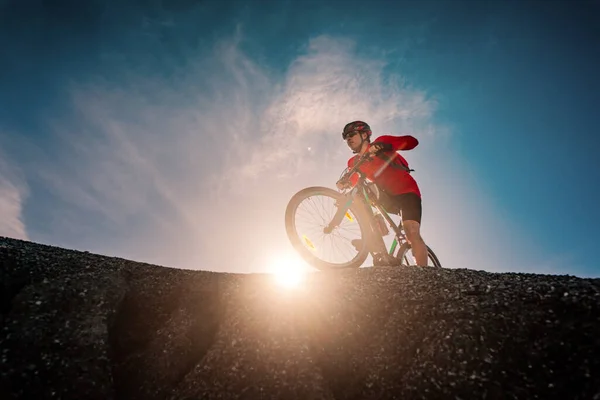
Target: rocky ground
76,325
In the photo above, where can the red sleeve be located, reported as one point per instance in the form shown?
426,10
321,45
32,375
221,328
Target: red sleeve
406,142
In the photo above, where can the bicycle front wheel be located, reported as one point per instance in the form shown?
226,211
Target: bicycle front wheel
308,213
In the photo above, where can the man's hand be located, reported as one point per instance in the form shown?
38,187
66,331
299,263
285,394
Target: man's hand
376,147
342,184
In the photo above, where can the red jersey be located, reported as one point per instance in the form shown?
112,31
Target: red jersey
385,171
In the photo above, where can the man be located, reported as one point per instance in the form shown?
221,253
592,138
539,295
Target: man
389,170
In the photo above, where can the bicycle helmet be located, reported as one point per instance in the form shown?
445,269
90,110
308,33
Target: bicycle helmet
357,126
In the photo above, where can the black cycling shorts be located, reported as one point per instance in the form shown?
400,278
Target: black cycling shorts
409,203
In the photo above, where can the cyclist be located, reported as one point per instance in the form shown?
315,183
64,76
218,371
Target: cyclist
390,172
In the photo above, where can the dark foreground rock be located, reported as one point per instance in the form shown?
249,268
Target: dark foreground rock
76,325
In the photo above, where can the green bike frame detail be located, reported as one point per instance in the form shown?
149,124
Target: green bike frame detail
351,195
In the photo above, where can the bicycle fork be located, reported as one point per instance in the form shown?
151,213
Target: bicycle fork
374,239
339,215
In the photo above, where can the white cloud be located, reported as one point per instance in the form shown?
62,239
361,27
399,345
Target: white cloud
12,195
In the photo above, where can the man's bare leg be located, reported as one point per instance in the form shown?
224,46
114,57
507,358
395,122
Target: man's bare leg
413,234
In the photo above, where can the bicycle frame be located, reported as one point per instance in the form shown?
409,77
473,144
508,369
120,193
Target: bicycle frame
363,192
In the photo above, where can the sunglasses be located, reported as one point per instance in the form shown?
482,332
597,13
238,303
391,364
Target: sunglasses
346,135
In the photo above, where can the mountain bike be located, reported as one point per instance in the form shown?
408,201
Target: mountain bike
358,211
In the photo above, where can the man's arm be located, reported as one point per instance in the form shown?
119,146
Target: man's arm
395,143
352,180
354,177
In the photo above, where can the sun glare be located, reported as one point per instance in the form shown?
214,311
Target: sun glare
288,271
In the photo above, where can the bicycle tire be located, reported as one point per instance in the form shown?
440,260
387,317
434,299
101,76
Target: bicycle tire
406,246
296,240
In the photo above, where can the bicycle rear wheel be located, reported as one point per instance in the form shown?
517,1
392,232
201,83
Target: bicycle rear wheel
405,254
307,214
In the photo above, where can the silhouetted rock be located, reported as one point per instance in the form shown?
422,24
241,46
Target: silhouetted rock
77,325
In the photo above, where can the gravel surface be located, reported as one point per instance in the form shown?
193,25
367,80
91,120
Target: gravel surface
76,325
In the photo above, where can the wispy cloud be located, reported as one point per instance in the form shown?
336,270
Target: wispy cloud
324,88
13,192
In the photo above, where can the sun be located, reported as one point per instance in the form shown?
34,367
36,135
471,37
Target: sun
288,270
289,279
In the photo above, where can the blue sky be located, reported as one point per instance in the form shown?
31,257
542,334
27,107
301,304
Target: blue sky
175,132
